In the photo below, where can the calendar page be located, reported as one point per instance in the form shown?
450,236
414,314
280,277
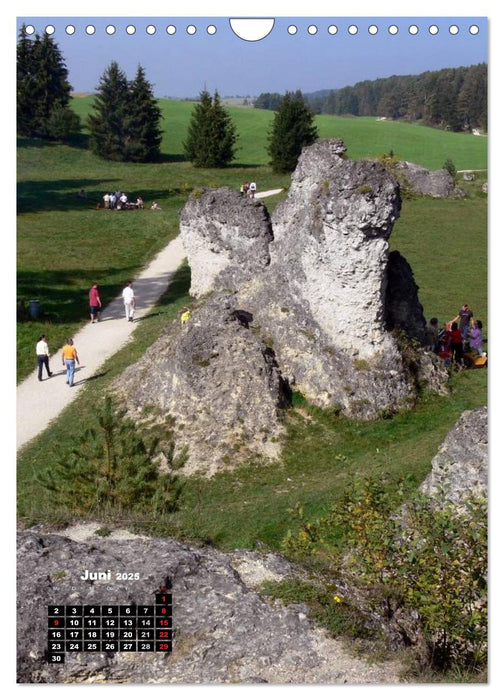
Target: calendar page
252,348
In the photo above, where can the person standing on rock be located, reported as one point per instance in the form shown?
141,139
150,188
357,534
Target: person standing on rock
128,296
94,304
68,359
42,352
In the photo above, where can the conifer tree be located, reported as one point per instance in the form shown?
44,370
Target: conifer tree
293,128
112,468
108,122
211,135
43,90
144,135
125,122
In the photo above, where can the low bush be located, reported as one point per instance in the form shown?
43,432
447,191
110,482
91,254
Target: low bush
421,571
113,470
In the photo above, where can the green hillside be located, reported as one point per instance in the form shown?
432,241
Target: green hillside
364,136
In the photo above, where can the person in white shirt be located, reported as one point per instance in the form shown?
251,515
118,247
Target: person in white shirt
252,190
42,352
129,301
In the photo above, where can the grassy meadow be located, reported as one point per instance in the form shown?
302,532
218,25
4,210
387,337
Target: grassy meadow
66,243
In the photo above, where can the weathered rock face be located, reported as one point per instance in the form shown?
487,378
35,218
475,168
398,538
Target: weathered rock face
436,183
460,468
331,233
223,631
219,382
313,308
222,229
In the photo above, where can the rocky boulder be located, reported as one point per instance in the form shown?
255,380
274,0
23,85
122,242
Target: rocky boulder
330,237
223,630
402,308
219,383
460,468
308,302
420,180
222,229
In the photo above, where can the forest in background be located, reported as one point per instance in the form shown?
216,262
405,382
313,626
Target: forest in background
451,98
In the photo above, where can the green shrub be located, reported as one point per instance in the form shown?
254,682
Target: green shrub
113,470
450,167
427,563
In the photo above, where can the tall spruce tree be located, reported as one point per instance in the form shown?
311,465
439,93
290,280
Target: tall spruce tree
142,123
43,90
125,122
293,128
108,122
211,136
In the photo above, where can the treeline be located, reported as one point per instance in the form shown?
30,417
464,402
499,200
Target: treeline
126,121
451,98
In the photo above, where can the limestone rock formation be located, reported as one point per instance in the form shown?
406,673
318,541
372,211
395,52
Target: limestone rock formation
219,383
223,229
330,236
308,302
460,468
414,177
223,630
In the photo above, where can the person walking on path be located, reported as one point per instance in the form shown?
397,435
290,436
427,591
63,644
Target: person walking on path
128,296
94,304
252,190
42,351
68,358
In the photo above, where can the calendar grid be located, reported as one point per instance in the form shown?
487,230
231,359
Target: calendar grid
110,628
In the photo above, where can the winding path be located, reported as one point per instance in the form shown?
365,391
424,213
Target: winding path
38,403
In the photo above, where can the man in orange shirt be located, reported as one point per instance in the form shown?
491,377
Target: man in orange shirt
68,358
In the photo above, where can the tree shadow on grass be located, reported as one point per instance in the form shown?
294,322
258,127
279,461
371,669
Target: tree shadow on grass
63,195
63,295
246,166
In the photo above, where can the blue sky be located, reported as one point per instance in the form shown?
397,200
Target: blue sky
180,64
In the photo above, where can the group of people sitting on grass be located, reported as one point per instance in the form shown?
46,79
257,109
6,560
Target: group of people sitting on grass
119,200
459,341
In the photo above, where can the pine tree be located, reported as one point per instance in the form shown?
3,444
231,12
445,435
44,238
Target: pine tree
144,135
211,135
107,125
43,90
293,128
26,82
112,469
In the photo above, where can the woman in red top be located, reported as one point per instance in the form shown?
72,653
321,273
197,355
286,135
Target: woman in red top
457,342
94,303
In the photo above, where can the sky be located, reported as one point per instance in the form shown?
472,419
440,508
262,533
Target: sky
322,53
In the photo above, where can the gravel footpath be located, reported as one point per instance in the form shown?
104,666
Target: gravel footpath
38,403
